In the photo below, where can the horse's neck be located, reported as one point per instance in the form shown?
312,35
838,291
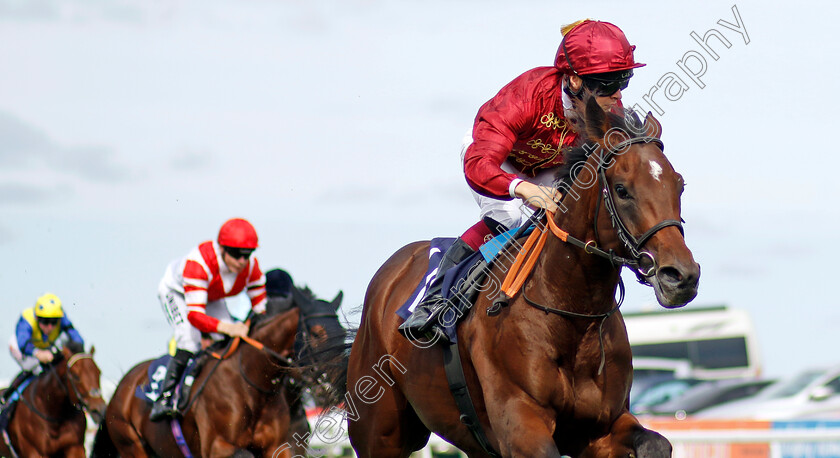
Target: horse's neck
587,281
278,336
50,395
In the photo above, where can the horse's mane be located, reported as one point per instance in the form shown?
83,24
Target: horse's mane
628,122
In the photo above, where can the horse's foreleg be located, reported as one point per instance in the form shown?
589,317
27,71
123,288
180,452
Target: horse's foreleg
76,451
219,447
386,428
628,438
523,430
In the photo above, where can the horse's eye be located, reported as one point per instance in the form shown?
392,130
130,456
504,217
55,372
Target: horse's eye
621,192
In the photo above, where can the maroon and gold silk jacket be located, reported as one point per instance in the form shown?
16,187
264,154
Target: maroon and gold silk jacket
523,123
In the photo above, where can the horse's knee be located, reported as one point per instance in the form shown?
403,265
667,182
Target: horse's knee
650,444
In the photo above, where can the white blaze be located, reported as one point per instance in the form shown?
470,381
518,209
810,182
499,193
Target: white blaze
655,170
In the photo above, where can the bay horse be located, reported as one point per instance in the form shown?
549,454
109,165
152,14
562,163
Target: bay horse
49,418
239,405
549,374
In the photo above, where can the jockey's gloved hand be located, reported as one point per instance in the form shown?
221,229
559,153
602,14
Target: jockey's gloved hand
44,356
538,196
233,329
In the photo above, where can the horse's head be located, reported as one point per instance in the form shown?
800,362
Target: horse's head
81,376
640,194
322,336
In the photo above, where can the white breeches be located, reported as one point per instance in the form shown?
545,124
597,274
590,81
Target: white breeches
186,336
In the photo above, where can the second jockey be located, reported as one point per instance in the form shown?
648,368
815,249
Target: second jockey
193,291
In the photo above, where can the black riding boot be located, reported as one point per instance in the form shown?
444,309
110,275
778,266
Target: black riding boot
165,405
13,386
420,324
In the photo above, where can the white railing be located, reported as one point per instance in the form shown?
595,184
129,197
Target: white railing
707,439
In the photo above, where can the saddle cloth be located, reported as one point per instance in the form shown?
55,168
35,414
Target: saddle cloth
453,280
455,277
151,390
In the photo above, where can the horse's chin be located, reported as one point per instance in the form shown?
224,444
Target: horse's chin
672,298
97,416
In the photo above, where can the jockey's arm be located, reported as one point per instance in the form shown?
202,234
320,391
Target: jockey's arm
23,332
206,323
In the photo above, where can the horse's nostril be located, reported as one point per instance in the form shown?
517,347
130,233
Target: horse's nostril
670,275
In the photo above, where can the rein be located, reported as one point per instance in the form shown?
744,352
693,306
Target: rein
633,244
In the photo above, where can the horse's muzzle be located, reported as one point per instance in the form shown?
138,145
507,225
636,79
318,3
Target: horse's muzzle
97,414
676,286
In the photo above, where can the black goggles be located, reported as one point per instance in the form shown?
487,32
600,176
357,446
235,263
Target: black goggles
238,253
605,88
49,321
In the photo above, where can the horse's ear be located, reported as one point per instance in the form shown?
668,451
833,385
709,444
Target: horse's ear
336,303
92,350
652,126
596,120
297,296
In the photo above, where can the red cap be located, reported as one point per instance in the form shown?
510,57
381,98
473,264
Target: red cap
238,233
595,47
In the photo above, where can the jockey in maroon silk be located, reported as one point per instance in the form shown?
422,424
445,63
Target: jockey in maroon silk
518,139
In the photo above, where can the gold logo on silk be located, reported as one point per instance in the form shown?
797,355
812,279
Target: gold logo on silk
542,155
553,121
544,148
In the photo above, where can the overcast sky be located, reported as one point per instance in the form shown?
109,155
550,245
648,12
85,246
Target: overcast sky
130,130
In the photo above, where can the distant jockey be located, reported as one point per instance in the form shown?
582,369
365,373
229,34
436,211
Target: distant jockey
193,291
519,138
39,331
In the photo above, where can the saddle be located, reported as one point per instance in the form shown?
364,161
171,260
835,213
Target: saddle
462,283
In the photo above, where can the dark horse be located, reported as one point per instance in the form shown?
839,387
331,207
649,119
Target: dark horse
549,374
49,419
239,406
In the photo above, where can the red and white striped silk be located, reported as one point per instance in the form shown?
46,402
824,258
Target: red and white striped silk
206,278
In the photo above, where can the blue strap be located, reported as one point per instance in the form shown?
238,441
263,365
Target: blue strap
489,250
179,438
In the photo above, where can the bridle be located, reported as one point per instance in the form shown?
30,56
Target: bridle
634,245
81,403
